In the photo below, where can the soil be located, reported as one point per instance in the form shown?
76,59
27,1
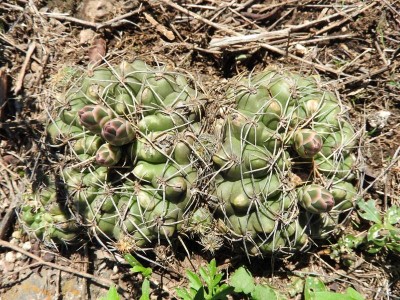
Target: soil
353,45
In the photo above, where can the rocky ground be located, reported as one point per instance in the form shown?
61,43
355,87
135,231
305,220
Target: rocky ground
353,45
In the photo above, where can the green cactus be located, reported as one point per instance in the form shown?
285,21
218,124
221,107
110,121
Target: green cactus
280,127
44,217
134,131
278,170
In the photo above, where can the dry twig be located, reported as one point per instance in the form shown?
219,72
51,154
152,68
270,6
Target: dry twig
20,79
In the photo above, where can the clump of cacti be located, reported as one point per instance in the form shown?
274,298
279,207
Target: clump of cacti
284,163
132,132
278,170
46,218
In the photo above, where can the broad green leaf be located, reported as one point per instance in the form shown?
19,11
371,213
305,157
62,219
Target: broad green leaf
377,235
204,275
374,249
145,290
395,247
112,294
195,281
242,281
262,292
370,211
313,285
350,294
329,296
392,215
353,294
183,294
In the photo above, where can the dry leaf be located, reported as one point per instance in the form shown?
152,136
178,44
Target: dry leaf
97,51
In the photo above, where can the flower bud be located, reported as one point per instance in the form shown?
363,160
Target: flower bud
307,142
118,132
93,117
315,199
108,155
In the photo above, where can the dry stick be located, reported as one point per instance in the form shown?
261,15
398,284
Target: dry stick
7,40
366,76
340,22
42,66
227,41
198,17
264,45
313,64
159,27
395,159
218,42
102,281
115,22
7,222
20,79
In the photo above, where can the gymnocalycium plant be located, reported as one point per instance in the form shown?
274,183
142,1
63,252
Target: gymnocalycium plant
138,163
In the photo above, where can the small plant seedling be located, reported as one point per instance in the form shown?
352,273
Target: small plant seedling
383,233
243,282
206,286
112,294
315,289
137,267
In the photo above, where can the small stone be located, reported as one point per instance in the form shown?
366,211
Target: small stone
14,241
27,246
16,234
49,257
379,119
20,256
114,276
86,35
299,49
10,257
115,270
35,67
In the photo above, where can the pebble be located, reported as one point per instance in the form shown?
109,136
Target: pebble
379,119
27,246
300,49
20,256
16,234
10,257
14,241
115,269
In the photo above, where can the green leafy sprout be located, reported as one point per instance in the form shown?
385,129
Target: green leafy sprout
384,233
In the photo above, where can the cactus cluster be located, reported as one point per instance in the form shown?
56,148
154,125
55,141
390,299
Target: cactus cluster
284,165
131,133
46,218
138,166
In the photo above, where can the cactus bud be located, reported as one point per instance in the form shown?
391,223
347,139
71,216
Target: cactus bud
93,117
108,155
315,199
118,132
307,142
